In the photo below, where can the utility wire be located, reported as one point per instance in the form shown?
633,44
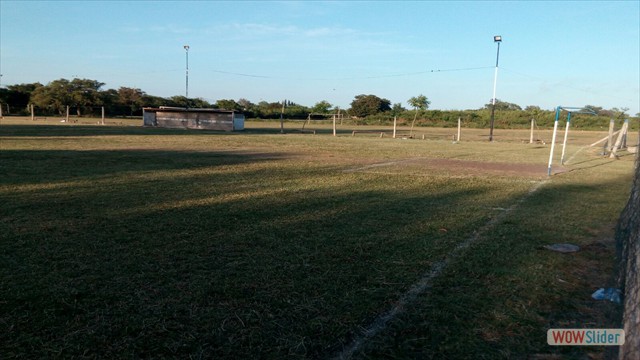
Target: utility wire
564,85
241,74
353,77
260,76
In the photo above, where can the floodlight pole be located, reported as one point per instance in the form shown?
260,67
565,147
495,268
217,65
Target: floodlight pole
186,48
497,39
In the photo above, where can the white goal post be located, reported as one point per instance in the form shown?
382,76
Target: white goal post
570,110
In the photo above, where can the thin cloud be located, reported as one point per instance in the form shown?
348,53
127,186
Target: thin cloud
328,31
265,30
170,29
130,29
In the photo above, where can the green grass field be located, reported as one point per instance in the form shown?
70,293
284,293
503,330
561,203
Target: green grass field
120,241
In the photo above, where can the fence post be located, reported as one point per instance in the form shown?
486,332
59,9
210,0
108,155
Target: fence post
612,125
533,123
395,122
618,143
334,124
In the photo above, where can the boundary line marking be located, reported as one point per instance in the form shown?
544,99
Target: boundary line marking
425,282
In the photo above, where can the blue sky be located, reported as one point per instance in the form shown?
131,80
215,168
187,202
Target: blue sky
553,53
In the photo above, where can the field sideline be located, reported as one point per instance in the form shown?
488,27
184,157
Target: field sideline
122,241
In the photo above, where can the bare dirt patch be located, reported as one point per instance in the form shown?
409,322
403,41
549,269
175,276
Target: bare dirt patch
481,167
453,167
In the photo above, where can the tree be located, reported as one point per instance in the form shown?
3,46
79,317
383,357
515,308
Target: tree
296,111
502,105
418,102
180,100
85,94
246,104
397,109
58,94
154,101
322,107
247,107
622,112
614,112
534,111
109,99
17,96
364,105
228,105
54,96
595,109
131,97
268,110
199,103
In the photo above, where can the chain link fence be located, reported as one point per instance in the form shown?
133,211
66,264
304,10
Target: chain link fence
628,249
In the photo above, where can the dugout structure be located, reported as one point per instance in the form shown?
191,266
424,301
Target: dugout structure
184,118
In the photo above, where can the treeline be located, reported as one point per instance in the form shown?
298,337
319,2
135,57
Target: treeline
514,119
85,97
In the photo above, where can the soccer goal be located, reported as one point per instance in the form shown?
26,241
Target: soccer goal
569,110
317,118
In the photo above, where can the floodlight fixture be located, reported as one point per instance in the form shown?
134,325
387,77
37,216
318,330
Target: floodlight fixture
497,38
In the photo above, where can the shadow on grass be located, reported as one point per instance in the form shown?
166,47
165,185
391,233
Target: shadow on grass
500,298
176,254
250,129
108,130
258,259
41,166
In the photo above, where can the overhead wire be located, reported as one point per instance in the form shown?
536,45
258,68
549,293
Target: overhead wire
565,85
352,77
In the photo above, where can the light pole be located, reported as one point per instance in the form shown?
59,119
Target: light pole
186,48
497,39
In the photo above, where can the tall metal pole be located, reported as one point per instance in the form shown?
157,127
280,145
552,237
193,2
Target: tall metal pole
497,39
186,48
